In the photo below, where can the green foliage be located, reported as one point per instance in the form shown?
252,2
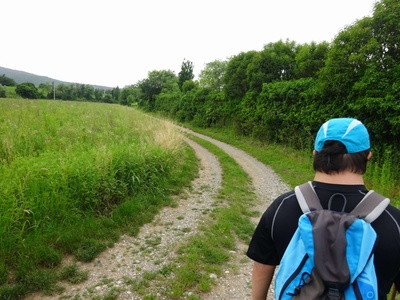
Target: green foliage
115,94
186,73
130,95
211,77
236,83
46,91
310,59
167,101
2,92
283,107
386,31
27,90
152,86
6,81
80,92
275,62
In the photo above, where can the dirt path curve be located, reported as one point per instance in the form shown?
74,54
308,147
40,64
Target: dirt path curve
236,284
155,245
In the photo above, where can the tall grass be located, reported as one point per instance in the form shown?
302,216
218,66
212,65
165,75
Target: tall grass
10,92
73,175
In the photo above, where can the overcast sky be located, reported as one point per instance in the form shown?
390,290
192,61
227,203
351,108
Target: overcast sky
116,43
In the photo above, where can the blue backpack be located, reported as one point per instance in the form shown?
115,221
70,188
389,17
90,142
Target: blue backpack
330,256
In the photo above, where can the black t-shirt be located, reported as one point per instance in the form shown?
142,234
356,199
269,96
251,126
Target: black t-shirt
279,222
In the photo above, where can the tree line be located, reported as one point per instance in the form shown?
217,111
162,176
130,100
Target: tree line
76,91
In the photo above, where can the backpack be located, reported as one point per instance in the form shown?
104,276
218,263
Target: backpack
330,256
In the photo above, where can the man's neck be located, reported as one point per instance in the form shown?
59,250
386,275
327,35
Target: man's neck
340,178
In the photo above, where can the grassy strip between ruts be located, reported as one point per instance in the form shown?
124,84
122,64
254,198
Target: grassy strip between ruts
206,252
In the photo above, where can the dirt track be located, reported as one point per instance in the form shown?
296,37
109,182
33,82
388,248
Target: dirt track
128,260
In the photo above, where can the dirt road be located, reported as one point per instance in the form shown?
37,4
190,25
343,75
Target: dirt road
154,247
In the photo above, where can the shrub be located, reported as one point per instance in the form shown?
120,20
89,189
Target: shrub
27,90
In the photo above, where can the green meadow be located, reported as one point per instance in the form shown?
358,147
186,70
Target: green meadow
74,175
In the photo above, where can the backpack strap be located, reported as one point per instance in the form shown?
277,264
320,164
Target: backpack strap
307,198
371,206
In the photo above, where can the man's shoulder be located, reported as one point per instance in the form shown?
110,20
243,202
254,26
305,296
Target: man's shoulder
285,196
394,214
286,204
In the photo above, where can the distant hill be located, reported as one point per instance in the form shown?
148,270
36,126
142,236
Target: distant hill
21,76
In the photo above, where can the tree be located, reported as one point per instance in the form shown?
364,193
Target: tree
115,92
211,76
6,81
130,94
107,98
169,98
275,62
27,90
375,95
65,92
346,63
98,95
386,30
186,72
310,59
152,86
45,91
235,79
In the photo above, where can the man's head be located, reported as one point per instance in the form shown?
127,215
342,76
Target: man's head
342,144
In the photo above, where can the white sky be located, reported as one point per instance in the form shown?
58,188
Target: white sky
116,43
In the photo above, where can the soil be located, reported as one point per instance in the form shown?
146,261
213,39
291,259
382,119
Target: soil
155,245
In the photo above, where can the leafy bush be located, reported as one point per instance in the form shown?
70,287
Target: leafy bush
27,90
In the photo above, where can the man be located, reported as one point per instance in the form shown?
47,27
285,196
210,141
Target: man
341,153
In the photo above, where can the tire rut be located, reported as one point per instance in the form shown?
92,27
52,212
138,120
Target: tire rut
236,284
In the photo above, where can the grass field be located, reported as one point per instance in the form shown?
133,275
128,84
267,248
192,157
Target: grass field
74,175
